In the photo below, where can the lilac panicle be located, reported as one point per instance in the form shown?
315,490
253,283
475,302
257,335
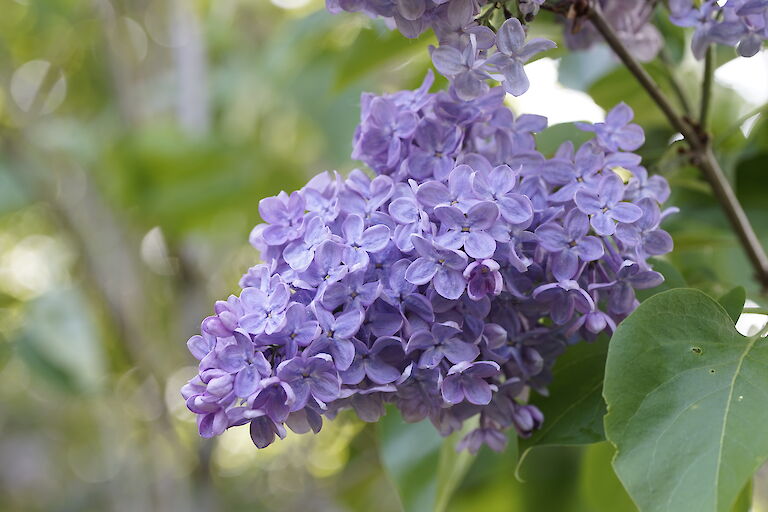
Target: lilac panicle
446,279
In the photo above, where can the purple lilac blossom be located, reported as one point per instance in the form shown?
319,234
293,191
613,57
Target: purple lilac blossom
468,55
445,281
739,23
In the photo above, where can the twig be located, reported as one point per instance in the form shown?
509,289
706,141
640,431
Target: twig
701,153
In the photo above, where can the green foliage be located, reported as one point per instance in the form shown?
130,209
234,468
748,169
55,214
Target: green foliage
733,302
425,468
684,393
574,408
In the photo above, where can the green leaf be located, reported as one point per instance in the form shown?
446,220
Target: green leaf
733,302
574,408
686,401
744,501
600,489
424,468
453,466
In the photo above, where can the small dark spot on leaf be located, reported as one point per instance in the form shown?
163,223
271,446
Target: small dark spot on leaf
711,370
696,350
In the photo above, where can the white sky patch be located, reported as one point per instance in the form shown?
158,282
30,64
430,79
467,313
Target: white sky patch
290,4
749,323
747,76
548,97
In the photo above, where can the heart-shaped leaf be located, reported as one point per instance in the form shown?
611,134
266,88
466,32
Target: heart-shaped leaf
687,398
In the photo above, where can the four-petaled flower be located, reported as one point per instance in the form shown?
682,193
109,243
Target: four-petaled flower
467,381
442,266
606,205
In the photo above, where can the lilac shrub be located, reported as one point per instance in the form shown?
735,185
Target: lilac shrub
446,281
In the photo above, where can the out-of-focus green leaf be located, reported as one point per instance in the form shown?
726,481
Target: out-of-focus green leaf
453,466
410,453
425,468
744,501
45,367
685,430
374,48
733,302
600,489
550,139
574,409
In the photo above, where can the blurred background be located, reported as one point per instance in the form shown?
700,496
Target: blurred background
136,139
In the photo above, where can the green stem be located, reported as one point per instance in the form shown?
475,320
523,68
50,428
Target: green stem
755,311
706,88
674,82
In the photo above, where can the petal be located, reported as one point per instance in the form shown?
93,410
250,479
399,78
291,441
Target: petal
255,323
482,215
658,242
516,208
515,80
421,271
431,194
626,212
587,201
620,115
247,381
347,324
380,372
480,245
483,369
449,283
353,228
375,238
477,391
603,224
452,390
325,386
458,351
510,37
534,46
343,353
589,248
448,61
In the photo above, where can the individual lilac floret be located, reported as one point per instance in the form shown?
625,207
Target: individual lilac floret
468,230
465,68
441,266
467,381
739,23
605,205
617,132
441,342
513,53
483,279
445,282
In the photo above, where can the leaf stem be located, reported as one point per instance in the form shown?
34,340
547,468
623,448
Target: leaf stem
674,82
700,151
706,87
755,311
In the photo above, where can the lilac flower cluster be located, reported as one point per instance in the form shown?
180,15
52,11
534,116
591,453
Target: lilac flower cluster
465,55
739,23
446,283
